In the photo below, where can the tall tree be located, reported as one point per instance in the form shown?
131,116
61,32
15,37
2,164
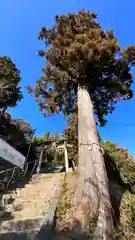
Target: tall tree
10,91
85,66
47,136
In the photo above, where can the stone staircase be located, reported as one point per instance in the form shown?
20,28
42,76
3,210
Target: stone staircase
28,213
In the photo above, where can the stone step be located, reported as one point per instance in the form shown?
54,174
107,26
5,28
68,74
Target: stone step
7,199
6,216
15,192
36,181
20,235
22,225
7,207
31,209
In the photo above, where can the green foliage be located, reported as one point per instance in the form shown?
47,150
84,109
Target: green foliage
118,234
93,224
80,52
10,91
47,139
38,140
117,158
128,206
64,203
125,229
52,157
124,163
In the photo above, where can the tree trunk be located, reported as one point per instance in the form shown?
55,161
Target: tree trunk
92,193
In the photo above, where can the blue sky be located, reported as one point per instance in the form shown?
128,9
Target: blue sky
20,22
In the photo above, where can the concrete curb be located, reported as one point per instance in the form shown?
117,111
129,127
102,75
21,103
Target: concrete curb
45,232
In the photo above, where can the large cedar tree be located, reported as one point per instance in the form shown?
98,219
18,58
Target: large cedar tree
79,51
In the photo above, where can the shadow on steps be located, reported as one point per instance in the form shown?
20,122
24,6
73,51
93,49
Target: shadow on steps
47,232
19,184
6,199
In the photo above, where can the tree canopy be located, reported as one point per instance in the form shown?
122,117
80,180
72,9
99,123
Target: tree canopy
80,52
10,92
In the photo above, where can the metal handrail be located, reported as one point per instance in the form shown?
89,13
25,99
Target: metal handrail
13,173
10,169
10,179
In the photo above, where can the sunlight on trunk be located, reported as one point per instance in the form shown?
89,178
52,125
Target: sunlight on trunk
92,192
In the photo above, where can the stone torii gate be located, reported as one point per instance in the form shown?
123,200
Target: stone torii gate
64,147
60,147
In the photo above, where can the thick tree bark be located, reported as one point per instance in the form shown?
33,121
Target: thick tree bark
92,192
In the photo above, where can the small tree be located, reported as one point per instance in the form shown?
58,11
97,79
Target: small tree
71,136
85,67
10,92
